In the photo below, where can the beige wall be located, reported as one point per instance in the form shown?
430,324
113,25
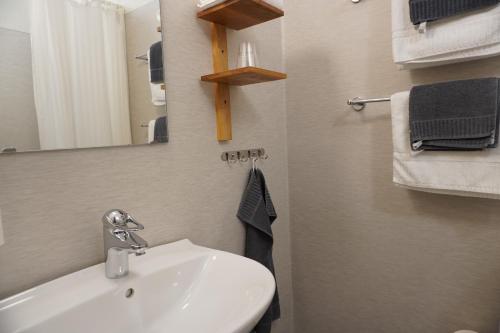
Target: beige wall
369,257
18,123
141,25
52,202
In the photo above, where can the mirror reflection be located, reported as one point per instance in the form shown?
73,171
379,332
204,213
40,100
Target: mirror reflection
81,73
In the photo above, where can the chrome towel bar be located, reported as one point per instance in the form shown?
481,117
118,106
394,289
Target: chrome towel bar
359,103
143,57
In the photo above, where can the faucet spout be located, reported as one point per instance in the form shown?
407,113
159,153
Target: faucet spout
137,244
119,241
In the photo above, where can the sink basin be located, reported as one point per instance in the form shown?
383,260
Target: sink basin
174,288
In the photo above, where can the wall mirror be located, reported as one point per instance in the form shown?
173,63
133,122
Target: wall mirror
80,74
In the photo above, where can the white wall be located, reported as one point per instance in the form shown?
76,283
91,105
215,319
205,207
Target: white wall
18,122
369,257
52,202
15,15
131,5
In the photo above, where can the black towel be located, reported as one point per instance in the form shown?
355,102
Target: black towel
161,130
431,10
257,213
457,115
156,63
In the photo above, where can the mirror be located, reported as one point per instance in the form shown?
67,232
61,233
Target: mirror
80,74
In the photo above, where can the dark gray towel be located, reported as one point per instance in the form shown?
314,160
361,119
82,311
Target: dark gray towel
257,213
156,63
161,130
457,115
431,10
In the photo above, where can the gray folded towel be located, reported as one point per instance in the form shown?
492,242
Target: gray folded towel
457,115
161,130
257,213
156,63
431,10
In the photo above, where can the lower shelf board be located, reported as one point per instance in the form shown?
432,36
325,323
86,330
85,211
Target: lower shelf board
244,76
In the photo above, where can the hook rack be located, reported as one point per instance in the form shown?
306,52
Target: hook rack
359,103
244,155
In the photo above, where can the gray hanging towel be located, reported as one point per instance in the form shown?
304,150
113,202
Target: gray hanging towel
156,63
161,130
457,115
257,213
431,10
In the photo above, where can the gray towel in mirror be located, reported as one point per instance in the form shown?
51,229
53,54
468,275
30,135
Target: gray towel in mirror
161,130
156,63
431,10
457,115
258,214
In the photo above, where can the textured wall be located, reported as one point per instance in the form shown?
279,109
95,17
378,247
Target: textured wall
141,25
369,257
52,202
18,124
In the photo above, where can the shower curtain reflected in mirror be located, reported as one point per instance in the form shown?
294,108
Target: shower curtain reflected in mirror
80,74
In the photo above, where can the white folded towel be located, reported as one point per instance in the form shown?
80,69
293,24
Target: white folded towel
204,4
462,38
474,173
158,95
151,131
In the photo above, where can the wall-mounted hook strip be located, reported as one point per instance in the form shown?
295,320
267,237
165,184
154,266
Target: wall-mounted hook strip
359,103
244,155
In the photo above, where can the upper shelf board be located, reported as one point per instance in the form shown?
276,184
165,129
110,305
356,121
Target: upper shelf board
241,14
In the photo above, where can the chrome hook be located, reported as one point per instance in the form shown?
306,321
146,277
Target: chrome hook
243,156
232,158
254,163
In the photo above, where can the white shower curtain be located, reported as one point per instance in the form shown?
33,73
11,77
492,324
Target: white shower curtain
80,74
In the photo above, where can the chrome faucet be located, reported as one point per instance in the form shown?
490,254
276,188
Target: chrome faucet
119,241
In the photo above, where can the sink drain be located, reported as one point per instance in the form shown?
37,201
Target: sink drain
129,293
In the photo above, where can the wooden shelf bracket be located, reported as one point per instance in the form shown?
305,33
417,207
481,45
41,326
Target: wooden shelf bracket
222,96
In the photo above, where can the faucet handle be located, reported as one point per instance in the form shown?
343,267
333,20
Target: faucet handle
120,219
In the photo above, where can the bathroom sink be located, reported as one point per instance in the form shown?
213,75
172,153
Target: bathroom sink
174,288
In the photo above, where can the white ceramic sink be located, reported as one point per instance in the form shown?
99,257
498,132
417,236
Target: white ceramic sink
177,288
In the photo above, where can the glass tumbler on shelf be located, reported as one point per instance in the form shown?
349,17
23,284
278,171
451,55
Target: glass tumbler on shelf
247,56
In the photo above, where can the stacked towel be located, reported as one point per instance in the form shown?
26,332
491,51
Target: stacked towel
457,39
431,10
161,130
155,57
205,4
473,173
458,115
158,130
158,95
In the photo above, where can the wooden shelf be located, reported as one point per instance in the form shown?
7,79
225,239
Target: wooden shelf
244,76
237,15
241,14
